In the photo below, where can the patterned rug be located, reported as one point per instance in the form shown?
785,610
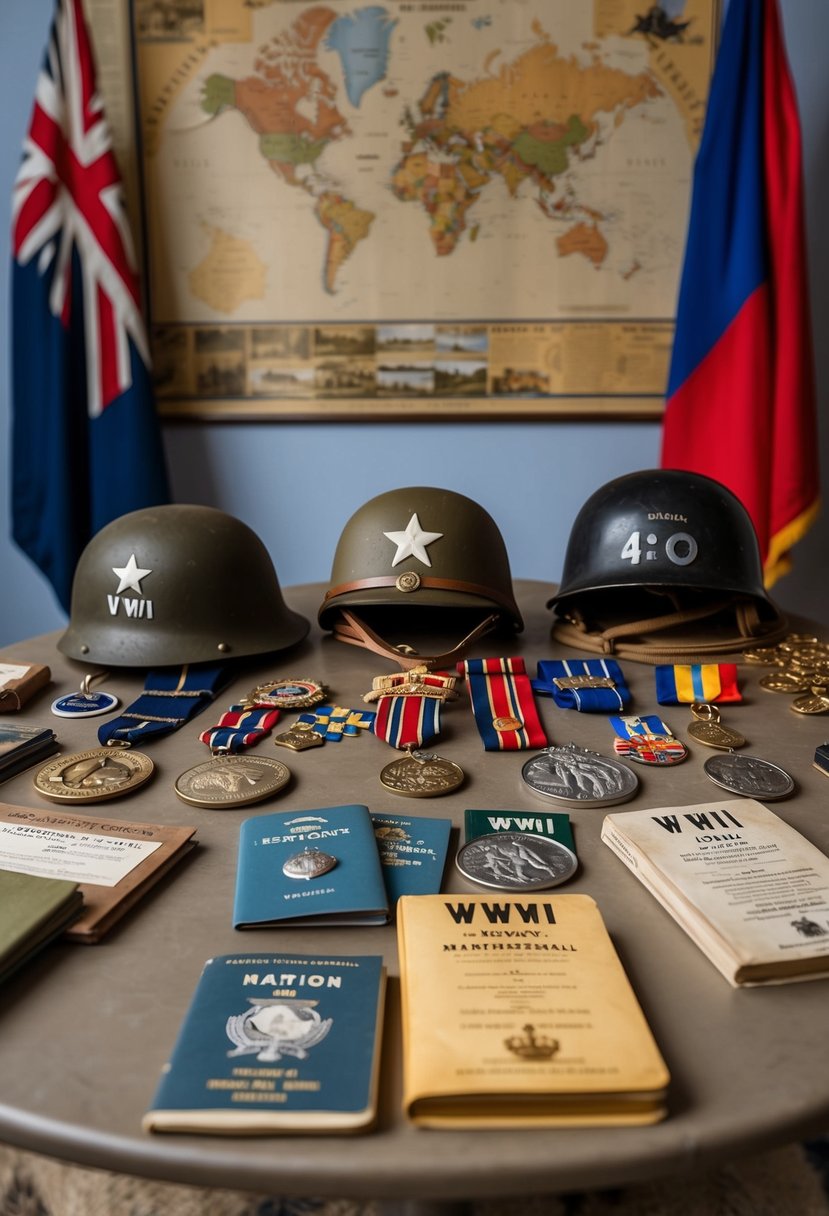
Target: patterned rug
790,1181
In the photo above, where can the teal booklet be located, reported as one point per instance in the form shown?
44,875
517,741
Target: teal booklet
554,824
412,852
317,867
276,1043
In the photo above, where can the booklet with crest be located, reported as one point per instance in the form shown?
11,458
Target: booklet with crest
276,1043
114,861
317,867
517,1013
413,852
744,885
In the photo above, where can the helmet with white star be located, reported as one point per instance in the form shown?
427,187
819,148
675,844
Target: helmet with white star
176,584
414,563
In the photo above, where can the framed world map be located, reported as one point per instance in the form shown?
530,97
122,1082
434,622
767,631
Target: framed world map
412,209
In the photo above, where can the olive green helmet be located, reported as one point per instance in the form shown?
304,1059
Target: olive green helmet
176,584
419,561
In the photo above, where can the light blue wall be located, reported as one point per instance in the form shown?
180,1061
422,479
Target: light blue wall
295,484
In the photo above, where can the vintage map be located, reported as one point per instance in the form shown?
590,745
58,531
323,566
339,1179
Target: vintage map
418,200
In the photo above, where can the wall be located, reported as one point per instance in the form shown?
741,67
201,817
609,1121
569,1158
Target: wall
296,484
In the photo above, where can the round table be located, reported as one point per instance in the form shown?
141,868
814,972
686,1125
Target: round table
85,1030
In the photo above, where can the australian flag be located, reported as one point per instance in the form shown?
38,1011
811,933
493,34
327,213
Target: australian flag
86,443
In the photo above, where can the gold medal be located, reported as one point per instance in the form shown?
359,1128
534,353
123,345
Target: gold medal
508,723
93,776
300,738
421,774
708,730
228,781
288,694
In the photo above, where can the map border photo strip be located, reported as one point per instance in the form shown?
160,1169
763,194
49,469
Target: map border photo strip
448,181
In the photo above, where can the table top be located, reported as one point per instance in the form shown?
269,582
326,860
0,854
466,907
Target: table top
85,1030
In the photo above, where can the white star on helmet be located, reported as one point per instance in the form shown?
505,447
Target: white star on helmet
412,542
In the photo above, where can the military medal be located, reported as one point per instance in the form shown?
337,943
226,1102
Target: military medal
310,863
421,774
94,775
782,681
231,779
408,716
516,861
708,730
572,774
288,694
647,741
299,738
750,776
85,703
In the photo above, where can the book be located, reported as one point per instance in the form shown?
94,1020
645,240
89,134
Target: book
554,824
316,867
276,1043
113,862
33,911
517,1013
412,853
745,886
22,746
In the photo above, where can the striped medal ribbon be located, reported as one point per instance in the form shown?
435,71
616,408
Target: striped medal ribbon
684,683
241,726
408,721
502,701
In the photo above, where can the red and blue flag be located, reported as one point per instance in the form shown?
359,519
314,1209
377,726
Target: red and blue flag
741,396
86,443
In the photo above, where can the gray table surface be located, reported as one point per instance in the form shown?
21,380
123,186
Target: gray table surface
84,1031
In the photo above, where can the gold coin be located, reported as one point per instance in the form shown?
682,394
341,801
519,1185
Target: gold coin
762,654
783,682
812,703
93,776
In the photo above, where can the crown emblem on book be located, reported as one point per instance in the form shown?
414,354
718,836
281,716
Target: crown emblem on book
531,1047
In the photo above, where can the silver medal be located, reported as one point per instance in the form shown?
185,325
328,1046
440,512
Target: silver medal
516,861
576,775
310,863
750,776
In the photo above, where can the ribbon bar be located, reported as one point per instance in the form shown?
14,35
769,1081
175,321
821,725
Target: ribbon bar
501,696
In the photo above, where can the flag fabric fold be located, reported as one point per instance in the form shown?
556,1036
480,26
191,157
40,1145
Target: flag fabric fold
86,443
741,398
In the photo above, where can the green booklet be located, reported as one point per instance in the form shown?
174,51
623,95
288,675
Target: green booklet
276,1043
556,824
33,911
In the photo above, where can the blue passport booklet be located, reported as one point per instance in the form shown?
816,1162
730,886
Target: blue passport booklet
412,852
276,1043
318,867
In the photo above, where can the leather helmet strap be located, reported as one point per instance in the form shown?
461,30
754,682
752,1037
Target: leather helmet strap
350,628
611,641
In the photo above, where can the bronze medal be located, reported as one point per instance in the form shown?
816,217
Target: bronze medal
93,776
421,774
228,781
708,730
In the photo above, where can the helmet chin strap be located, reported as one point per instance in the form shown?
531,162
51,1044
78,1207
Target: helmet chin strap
350,628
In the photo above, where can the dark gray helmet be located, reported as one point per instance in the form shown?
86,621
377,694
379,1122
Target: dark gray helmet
176,584
415,561
672,551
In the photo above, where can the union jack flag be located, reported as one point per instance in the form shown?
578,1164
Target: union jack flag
86,441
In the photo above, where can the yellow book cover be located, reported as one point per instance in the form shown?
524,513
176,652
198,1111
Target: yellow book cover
517,1012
